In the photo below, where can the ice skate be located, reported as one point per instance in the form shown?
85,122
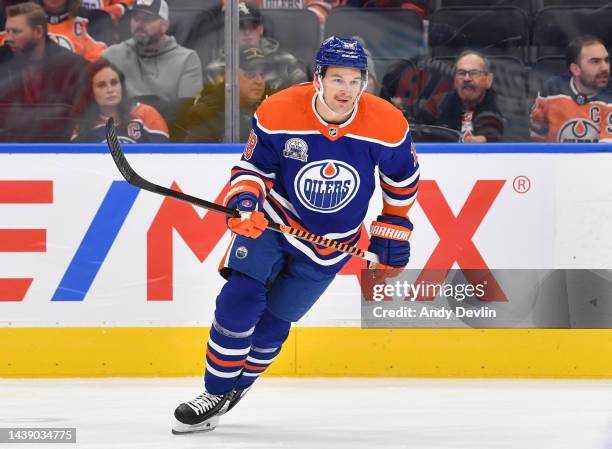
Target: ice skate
200,414
234,398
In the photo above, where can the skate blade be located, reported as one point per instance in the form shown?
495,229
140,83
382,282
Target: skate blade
179,428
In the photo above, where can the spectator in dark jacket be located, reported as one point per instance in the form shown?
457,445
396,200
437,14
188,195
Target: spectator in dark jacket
471,107
206,118
284,69
34,71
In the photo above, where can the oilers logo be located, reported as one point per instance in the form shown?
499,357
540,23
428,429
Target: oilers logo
62,41
578,131
326,186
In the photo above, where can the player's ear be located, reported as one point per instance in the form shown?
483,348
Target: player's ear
317,81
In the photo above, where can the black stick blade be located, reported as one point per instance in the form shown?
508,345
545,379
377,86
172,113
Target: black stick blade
115,149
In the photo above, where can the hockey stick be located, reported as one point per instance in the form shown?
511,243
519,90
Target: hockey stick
136,180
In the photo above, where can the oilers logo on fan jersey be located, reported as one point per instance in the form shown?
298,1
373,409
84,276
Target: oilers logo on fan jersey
577,131
320,177
326,186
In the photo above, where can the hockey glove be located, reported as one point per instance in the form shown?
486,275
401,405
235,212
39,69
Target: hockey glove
389,239
252,222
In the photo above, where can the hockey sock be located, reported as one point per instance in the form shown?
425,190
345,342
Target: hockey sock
269,335
238,308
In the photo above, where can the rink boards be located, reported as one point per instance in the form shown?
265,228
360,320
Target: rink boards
99,279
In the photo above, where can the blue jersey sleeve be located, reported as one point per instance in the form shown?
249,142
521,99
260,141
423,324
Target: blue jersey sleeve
399,177
256,171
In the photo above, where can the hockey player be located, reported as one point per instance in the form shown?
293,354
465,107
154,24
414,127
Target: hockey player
309,162
577,107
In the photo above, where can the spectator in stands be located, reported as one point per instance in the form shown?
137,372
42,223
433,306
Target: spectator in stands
322,8
115,8
284,69
69,30
102,97
37,79
33,68
206,120
576,107
471,107
153,63
410,83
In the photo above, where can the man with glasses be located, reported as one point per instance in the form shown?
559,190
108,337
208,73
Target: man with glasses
576,107
471,108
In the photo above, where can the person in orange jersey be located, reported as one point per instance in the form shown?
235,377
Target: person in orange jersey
115,8
576,107
309,162
69,30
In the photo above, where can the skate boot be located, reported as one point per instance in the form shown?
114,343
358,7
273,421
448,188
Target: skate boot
200,414
234,398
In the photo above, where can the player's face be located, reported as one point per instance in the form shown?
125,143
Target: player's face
593,68
106,87
20,36
54,5
250,33
252,84
471,81
147,29
341,86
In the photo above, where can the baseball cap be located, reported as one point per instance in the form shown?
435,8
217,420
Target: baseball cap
249,13
155,7
251,56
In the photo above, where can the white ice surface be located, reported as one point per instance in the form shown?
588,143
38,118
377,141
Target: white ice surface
322,413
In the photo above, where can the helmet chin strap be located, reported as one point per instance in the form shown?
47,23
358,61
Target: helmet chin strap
320,94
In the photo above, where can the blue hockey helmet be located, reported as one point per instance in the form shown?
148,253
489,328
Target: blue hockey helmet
342,52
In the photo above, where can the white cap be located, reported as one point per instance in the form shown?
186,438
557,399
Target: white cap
156,7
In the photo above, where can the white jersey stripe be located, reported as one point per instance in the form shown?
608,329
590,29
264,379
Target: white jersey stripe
248,166
404,183
284,202
245,177
394,202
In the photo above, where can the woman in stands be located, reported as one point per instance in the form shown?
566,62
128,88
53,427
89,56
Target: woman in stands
102,97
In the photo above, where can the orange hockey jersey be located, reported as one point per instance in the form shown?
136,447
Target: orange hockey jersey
561,114
115,8
72,34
